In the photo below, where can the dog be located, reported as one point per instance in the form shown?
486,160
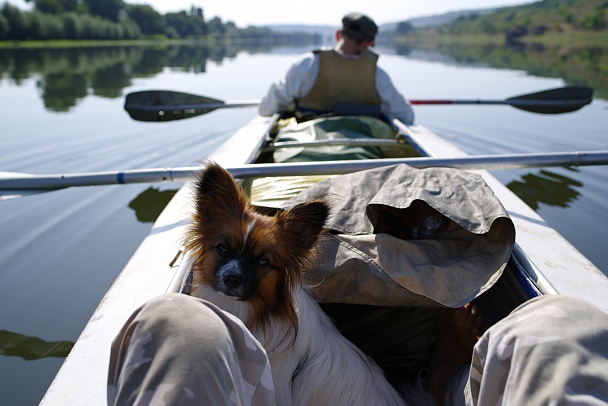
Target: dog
251,265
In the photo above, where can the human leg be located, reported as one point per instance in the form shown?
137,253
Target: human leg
550,350
181,350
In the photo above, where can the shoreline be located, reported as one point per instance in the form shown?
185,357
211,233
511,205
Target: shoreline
63,43
566,39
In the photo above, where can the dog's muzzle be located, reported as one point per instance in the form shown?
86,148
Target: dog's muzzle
232,280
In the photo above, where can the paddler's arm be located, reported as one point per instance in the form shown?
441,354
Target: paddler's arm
297,83
393,101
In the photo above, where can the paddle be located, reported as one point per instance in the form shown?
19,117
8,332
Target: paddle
18,184
164,105
553,101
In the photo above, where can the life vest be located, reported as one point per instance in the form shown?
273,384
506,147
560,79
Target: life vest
345,86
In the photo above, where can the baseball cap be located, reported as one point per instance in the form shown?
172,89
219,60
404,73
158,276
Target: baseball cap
359,26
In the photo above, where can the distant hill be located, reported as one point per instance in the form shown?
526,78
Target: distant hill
387,31
328,31
442,19
556,16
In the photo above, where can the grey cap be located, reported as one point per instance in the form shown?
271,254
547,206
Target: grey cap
359,26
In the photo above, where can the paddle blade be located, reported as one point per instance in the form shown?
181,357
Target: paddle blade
161,105
554,101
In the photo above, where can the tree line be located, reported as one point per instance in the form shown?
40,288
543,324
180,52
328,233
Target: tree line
118,20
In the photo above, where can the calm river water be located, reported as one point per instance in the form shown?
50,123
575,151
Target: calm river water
61,111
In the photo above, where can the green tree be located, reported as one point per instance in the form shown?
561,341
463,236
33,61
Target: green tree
186,25
171,32
55,6
178,22
47,6
72,25
149,20
16,21
45,26
71,5
108,9
593,21
4,27
403,28
231,30
215,26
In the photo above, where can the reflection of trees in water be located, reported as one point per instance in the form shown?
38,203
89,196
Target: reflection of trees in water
61,90
32,348
545,187
403,49
109,81
67,75
584,66
150,203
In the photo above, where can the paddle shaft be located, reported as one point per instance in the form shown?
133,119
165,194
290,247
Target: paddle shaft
163,105
514,103
197,106
255,103
488,162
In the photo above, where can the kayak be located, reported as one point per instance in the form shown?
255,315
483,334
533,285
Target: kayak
539,261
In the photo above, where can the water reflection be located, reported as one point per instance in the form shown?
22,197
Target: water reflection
576,65
67,75
150,203
32,348
546,187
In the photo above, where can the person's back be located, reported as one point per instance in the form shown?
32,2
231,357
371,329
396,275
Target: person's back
323,82
342,81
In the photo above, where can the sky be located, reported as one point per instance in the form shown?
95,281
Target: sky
312,12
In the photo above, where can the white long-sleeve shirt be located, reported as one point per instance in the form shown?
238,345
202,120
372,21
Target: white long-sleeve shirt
302,75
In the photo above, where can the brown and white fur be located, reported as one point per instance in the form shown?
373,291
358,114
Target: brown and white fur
250,265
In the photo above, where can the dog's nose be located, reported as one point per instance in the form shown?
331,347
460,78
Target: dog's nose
233,281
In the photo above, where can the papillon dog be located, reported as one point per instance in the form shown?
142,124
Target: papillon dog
251,265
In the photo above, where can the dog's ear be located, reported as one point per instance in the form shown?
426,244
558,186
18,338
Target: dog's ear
217,194
302,224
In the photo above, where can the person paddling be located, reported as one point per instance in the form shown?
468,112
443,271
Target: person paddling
344,80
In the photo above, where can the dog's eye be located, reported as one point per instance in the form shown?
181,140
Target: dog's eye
263,262
221,249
